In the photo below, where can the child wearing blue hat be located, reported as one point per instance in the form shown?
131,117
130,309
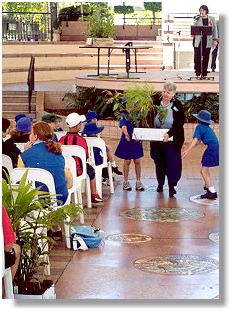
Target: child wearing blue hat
210,157
92,117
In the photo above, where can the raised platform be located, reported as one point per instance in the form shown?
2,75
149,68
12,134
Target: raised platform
156,79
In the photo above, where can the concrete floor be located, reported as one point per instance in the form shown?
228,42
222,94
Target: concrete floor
110,272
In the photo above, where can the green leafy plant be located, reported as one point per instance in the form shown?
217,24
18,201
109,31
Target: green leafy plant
31,213
101,24
207,101
138,102
154,7
102,101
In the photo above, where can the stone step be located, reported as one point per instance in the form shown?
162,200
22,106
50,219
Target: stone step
11,114
18,93
17,107
17,99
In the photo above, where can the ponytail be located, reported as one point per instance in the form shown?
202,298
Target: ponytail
53,147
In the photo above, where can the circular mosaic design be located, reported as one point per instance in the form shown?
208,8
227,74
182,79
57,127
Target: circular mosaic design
214,237
129,238
197,199
162,214
177,264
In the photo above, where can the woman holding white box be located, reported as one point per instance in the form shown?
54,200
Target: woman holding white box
167,113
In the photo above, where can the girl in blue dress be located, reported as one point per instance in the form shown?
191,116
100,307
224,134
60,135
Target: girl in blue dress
129,149
210,157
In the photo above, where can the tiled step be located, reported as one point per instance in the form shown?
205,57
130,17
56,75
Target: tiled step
17,107
11,114
17,99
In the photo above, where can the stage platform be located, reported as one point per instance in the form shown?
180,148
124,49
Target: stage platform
119,81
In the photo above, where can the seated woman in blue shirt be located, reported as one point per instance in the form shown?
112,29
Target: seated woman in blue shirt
42,152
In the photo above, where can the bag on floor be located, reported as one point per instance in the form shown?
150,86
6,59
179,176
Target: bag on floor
92,236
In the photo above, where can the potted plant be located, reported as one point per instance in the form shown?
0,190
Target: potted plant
101,28
31,213
137,103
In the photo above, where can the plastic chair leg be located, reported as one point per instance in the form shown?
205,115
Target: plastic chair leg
110,178
8,285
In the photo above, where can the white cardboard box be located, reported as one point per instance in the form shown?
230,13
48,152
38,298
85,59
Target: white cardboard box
150,134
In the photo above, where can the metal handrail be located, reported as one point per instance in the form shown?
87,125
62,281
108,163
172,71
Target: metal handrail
31,82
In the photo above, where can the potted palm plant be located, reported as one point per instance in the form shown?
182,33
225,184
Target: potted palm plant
137,103
31,213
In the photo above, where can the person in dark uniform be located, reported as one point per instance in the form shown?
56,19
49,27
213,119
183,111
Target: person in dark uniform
8,147
168,114
215,51
201,61
210,158
129,149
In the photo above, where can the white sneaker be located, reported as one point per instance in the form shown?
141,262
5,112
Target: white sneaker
78,243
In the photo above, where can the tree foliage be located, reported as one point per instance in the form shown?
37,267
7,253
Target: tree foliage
123,9
153,6
25,6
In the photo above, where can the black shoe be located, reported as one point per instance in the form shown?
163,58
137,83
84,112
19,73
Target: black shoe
116,170
57,236
209,195
172,191
160,188
205,188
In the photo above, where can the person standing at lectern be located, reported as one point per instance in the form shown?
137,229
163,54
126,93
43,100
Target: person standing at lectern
207,41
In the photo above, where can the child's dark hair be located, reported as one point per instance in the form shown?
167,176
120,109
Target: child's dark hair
45,133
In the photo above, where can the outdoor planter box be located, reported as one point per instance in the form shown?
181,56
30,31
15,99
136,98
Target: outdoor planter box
49,293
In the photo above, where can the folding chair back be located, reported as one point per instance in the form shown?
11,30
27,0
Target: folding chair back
96,142
7,162
78,151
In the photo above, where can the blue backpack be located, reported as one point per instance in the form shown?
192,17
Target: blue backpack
90,234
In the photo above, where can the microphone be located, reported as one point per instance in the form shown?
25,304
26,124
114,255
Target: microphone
196,17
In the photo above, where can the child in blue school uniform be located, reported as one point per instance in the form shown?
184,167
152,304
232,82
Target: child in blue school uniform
129,149
210,158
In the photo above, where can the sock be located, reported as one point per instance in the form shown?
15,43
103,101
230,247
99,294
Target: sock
113,163
212,189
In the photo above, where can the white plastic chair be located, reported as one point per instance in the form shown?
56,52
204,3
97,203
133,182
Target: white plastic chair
21,146
6,275
76,189
45,177
7,162
99,143
74,150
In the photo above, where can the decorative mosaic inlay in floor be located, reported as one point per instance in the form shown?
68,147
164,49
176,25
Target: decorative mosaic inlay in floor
197,199
129,238
177,264
214,237
162,214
